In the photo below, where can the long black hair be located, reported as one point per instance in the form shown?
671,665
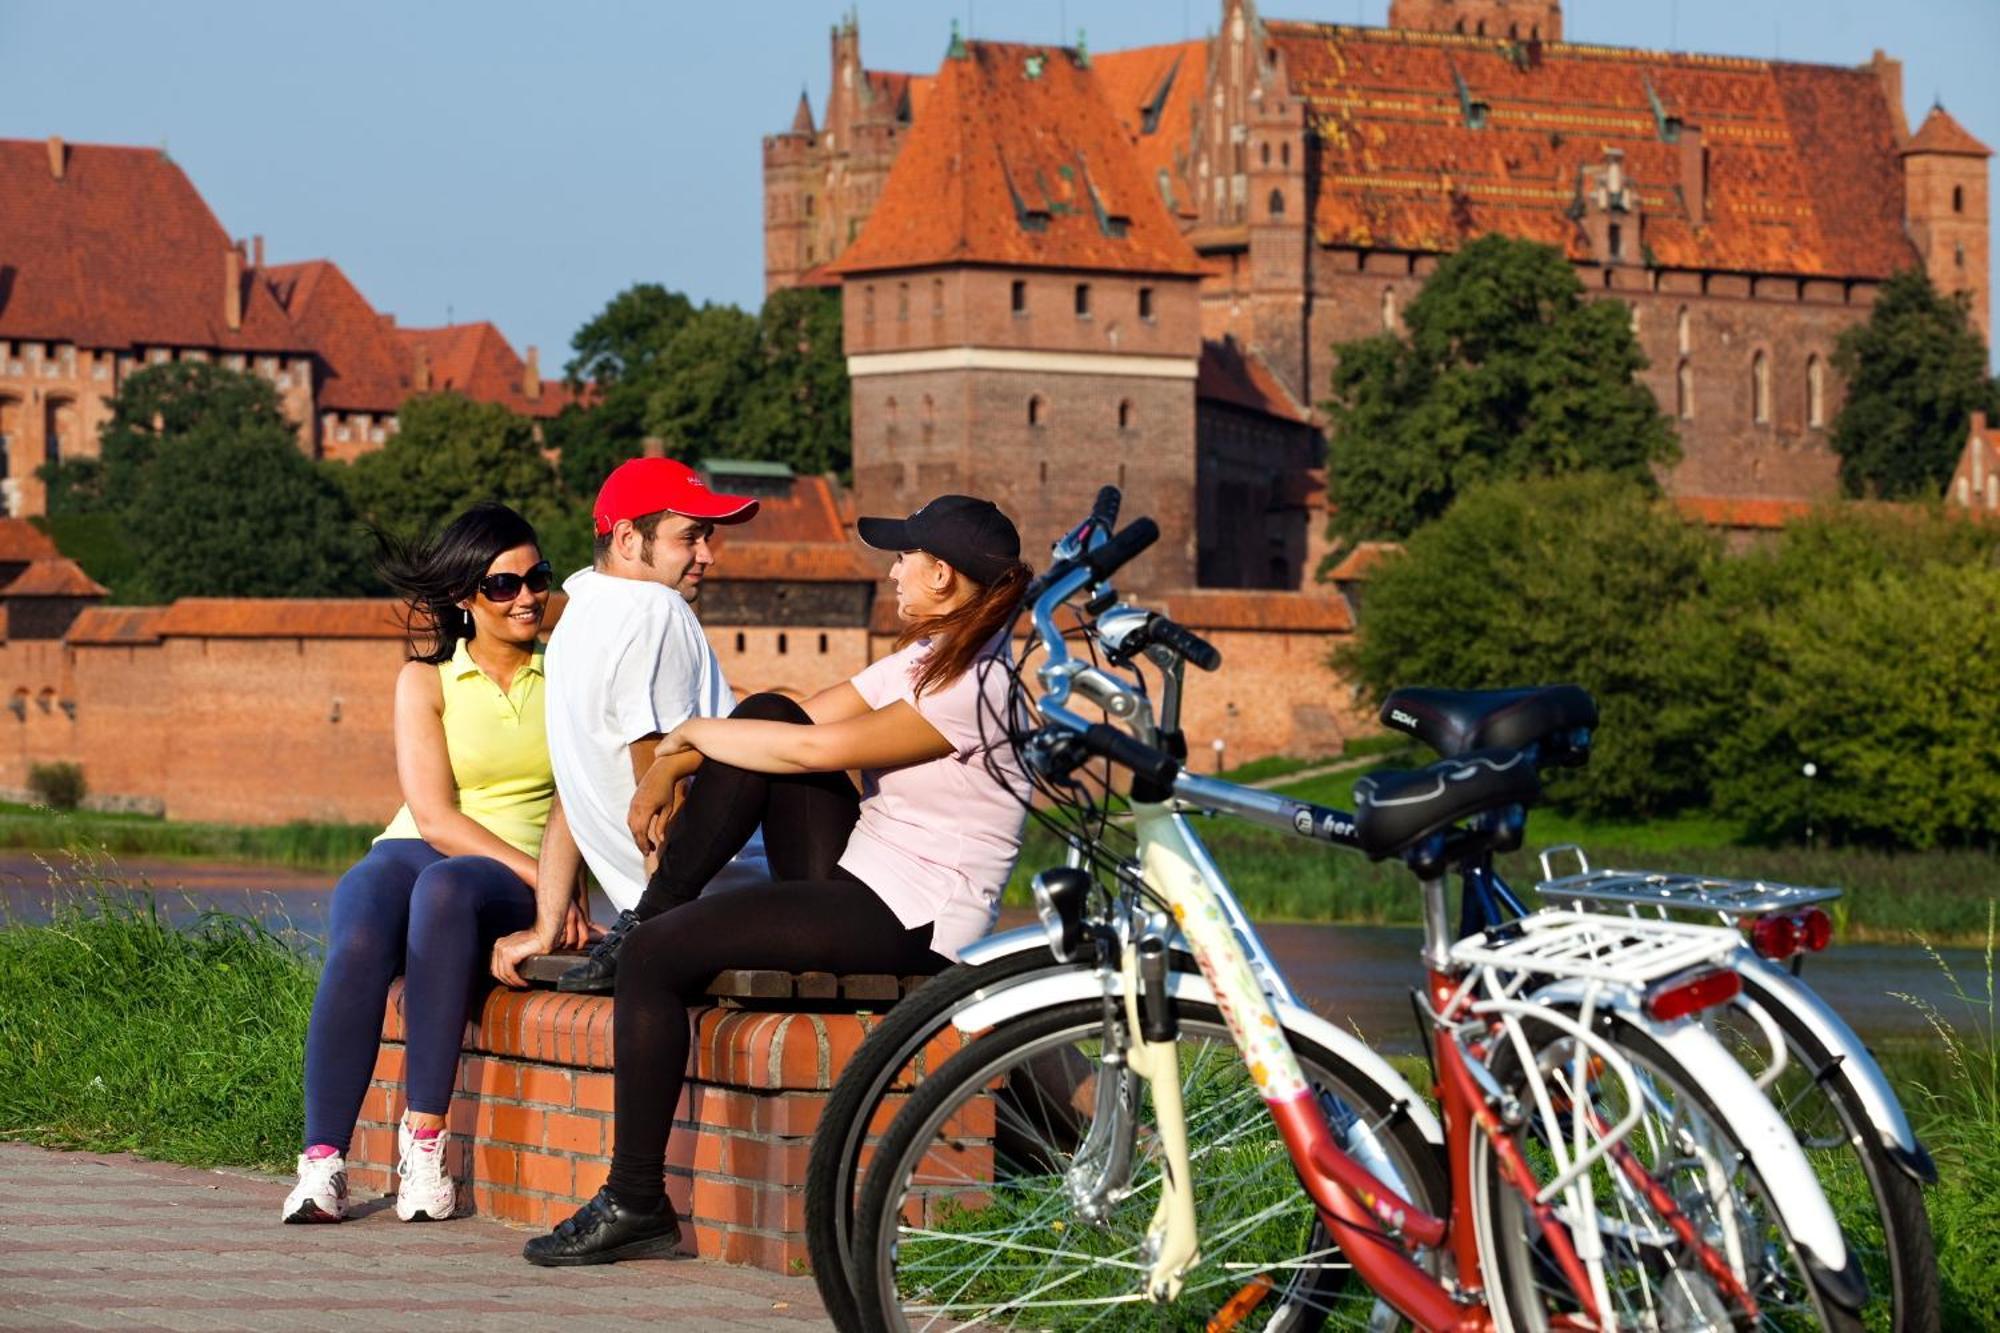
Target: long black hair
434,576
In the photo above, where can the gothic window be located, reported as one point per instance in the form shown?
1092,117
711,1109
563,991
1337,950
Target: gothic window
1760,389
1277,202
1683,332
1389,308
1684,391
1480,27
1038,410
1124,414
1815,392
1285,154
1617,241
1083,300
1958,198
1145,303
1020,297
1264,154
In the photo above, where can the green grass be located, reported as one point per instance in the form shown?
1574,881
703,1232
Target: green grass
122,1033
301,845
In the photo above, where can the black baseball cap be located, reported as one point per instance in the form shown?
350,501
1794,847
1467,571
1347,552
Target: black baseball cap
968,534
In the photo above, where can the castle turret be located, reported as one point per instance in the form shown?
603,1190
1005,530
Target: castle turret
1945,204
1515,20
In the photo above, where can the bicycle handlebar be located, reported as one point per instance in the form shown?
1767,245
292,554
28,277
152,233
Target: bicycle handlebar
1108,742
1197,650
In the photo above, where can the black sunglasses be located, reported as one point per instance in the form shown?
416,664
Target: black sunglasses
506,587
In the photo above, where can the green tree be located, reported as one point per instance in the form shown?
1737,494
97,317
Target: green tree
699,392
797,412
1890,686
219,513
1545,581
1915,372
1506,371
449,452
176,400
626,339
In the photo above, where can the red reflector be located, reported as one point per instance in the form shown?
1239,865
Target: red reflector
1774,937
1690,994
1815,929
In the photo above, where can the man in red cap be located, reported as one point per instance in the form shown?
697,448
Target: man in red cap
626,664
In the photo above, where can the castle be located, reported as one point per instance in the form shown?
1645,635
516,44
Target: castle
110,261
1061,266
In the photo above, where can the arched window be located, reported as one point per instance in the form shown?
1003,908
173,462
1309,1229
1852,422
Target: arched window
1683,332
1124,414
1038,410
1480,27
1277,202
1760,389
1513,31
1815,392
1264,154
809,205
1958,198
1285,154
1684,391
1389,308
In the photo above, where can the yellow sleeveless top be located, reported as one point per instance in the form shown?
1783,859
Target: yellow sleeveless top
499,750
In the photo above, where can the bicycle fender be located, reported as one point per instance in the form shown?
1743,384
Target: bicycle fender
1776,988
1083,984
1788,1177
1005,945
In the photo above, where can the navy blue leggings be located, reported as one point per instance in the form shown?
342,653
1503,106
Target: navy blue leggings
403,909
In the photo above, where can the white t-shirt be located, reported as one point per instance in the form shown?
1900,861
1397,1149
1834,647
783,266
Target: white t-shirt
937,840
626,660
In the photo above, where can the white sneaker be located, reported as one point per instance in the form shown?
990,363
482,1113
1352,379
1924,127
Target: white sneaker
425,1190
321,1194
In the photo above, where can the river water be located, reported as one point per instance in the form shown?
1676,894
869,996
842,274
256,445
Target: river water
1358,976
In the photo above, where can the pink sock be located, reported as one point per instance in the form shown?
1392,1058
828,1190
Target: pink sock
321,1151
429,1133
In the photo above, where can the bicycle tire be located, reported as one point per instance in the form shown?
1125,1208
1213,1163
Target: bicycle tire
1508,1256
1904,1276
833,1166
940,1100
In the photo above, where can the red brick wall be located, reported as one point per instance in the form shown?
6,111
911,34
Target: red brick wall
804,665
36,728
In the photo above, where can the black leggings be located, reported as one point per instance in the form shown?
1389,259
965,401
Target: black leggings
814,917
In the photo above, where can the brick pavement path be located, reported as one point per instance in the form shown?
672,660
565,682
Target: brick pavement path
99,1241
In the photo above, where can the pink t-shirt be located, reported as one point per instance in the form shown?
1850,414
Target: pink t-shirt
937,840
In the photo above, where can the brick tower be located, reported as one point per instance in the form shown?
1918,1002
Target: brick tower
1021,313
1517,20
1945,198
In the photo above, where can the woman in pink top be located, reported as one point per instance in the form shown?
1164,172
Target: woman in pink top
897,879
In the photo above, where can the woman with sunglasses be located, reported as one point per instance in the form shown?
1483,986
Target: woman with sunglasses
454,870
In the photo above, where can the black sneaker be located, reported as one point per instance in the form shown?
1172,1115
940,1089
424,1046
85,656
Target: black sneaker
604,1231
598,973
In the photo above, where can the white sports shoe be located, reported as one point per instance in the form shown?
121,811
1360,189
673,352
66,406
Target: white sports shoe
321,1194
425,1190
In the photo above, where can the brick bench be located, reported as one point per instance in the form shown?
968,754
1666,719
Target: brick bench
531,1115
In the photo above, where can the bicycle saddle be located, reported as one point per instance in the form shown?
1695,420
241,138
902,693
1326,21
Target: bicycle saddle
1395,811
1456,722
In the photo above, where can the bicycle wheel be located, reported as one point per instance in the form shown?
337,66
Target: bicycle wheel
1683,1145
893,1059
1880,1206
979,1209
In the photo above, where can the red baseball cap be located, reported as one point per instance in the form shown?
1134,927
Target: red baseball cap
641,486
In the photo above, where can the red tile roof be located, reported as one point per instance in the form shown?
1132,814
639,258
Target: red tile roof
755,561
110,625
1941,134
120,253
367,370
1230,373
809,513
53,576
1018,159
1155,91
1294,612
22,540
1359,563
281,618
799,537
477,360
1724,511
904,93
1803,174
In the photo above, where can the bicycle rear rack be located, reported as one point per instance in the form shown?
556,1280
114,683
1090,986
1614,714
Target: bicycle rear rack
1665,891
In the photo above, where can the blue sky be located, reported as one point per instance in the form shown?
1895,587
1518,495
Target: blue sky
524,163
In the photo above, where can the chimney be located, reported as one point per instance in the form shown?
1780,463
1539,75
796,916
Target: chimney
257,252
531,376
232,289
1694,174
420,377
1890,73
58,156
